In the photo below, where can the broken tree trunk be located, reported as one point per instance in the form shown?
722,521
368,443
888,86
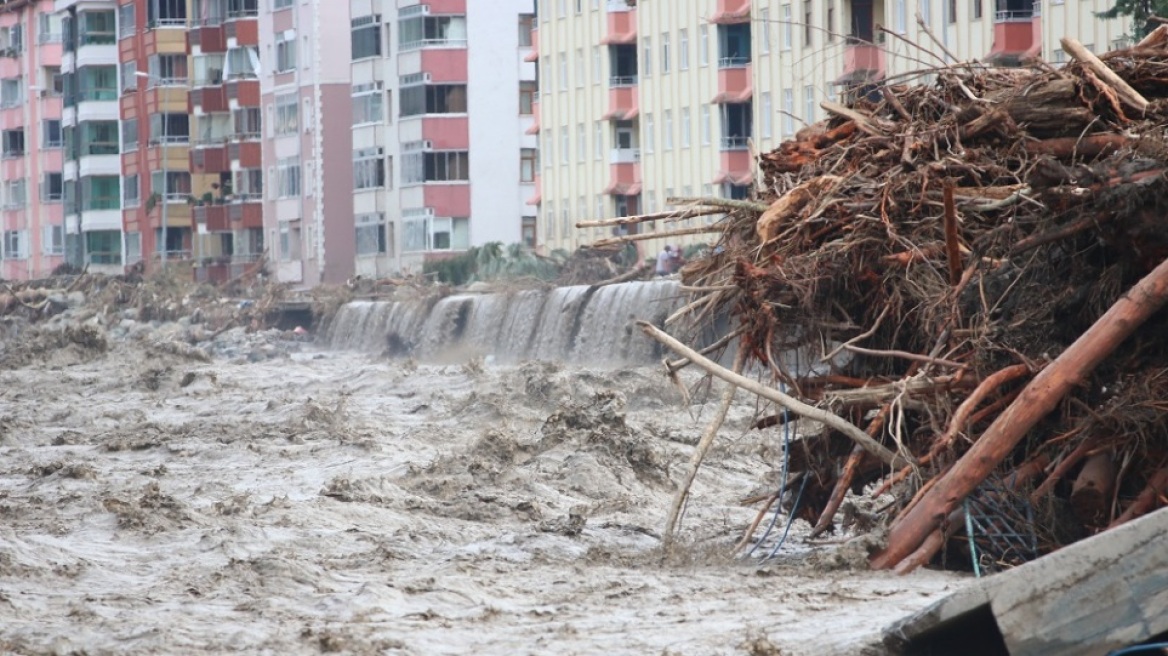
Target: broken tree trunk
1037,399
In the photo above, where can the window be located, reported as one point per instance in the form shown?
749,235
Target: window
281,4
420,31
53,187
767,115
368,103
595,64
598,140
131,191
900,16
129,79
976,9
368,168
705,125
13,142
245,123
528,164
564,145
289,241
130,135
96,28
49,28
166,13
366,36
286,51
764,17
11,92
829,22
665,54
433,99
527,230
242,62
527,91
648,132
52,80
14,244
248,183
101,192
97,83
667,130
703,45
562,80
101,137
437,166
809,104
15,194
526,25
788,112
169,128
177,187
807,32
686,128
647,57
168,70
287,113
581,143
450,234
546,146
785,17
208,70
126,26
51,133
288,177
105,247
53,240
371,234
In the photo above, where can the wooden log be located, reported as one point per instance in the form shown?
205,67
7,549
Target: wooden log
1123,90
791,204
794,405
1091,493
672,215
863,122
623,239
1154,494
1065,465
952,239
1049,109
1037,399
1088,147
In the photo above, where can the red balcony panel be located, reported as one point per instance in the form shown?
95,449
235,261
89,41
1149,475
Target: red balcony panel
213,273
249,154
211,99
732,11
448,199
209,38
625,173
245,92
534,129
246,31
734,84
622,103
446,6
447,132
212,159
246,214
537,198
445,65
533,56
863,59
735,165
621,27
1018,39
214,216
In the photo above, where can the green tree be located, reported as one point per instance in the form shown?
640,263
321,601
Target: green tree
1141,12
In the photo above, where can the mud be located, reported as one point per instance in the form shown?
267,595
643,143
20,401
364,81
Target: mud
263,497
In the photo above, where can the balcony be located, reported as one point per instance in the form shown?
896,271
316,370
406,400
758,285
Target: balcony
1017,32
210,158
212,217
734,84
246,211
244,90
533,56
732,12
621,25
209,99
244,28
208,35
624,155
735,143
622,103
862,61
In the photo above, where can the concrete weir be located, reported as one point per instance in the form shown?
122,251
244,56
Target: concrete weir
1102,594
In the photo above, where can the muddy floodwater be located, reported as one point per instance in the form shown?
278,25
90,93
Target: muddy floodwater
329,502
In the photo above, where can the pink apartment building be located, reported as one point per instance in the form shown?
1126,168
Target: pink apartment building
31,187
304,58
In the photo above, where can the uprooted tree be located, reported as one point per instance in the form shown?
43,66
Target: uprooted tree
979,267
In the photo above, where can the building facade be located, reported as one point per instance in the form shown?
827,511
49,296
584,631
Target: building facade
643,101
32,187
441,92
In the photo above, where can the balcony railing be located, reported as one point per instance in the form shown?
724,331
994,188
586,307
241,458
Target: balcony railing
625,155
619,5
622,81
1014,15
167,22
734,143
736,61
103,257
98,39
237,14
431,43
1038,9
168,82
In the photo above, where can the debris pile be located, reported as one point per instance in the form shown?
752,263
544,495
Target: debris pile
979,266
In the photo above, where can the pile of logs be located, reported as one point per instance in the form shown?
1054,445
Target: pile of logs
979,265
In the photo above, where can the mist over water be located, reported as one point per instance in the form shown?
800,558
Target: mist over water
573,324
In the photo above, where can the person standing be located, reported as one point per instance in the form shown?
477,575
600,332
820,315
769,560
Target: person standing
666,261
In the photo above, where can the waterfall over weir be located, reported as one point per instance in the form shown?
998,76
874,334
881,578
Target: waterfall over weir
577,324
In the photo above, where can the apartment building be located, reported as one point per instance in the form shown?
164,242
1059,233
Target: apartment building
226,137
441,92
32,239
304,59
643,101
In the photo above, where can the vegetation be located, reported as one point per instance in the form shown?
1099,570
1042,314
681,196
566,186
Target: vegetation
494,261
1141,12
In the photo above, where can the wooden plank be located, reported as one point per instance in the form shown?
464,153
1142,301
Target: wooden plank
1097,595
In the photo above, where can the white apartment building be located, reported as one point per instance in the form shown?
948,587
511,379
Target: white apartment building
642,101
442,158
